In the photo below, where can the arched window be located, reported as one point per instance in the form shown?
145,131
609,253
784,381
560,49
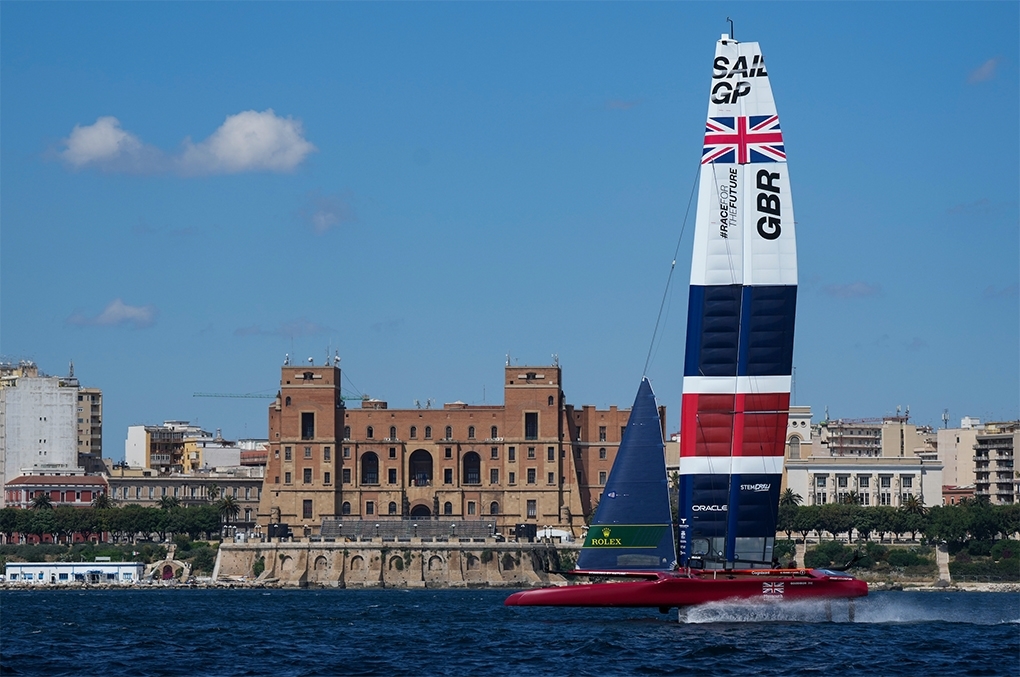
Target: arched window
393,432
472,468
393,508
551,400
449,433
794,446
370,432
420,466
471,432
494,433
494,508
287,401
447,508
347,432
414,432
345,509
428,432
370,468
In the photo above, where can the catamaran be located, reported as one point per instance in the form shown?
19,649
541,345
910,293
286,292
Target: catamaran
736,391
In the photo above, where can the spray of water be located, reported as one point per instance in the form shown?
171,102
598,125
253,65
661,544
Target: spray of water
877,608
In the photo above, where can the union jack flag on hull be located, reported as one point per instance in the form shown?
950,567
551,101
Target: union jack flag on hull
755,138
772,588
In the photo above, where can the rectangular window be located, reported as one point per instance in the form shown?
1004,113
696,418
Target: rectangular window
347,452
447,475
531,452
864,482
286,453
622,428
276,453
471,507
602,433
511,454
552,478
393,452
531,475
531,426
327,478
306,509
532,508
307,475
820,481
286,478
885,483
326,454
449,452
550,454
369,507
308,452
907,481
391,475
494,453
346,476
841,482
819,498
494,476
885,498
602,477
307,425
512,478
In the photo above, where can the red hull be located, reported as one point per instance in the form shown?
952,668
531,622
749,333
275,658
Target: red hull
677,589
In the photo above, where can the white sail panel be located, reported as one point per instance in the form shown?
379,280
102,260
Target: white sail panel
770,248
718,233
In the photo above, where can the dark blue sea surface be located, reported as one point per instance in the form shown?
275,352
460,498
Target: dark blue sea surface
456,632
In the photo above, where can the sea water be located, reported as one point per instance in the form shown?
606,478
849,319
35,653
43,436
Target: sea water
455,632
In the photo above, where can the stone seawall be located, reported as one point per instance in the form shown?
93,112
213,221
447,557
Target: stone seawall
414,564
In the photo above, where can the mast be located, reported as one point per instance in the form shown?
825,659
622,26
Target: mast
739,356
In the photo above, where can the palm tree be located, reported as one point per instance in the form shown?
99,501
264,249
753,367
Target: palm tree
790,497
228,508
169,502
213,492
853,498
914,506
102,501
42,501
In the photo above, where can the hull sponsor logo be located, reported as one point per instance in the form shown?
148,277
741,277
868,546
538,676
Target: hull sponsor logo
755,487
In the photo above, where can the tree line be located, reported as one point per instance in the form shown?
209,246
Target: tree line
62,523
972,519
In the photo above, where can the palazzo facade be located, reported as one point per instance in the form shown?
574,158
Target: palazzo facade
535,459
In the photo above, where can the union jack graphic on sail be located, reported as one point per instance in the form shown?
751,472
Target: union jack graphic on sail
772,588
756,138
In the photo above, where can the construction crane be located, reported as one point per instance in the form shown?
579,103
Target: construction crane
265,397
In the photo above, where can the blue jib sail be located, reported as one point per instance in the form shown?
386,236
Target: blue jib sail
632,528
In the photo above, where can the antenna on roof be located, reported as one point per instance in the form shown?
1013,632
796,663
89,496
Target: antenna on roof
731,28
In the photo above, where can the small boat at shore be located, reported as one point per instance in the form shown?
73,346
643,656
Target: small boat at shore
736,392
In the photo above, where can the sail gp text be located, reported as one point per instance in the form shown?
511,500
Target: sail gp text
728,204
726,91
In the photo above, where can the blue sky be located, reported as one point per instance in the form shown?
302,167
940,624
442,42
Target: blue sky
436,185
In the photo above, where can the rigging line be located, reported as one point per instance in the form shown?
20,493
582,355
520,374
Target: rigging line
672,267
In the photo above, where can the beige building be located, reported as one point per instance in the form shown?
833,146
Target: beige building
205,453
161,447
146,486
89,411
535,459
956,451
995,475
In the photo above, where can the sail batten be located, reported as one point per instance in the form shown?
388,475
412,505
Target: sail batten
741,314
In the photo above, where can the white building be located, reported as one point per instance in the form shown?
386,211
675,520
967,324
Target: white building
38,429
160,446
67,573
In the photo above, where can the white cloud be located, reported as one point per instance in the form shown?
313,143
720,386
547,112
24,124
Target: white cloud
984,72
118,313
107,146
324,212
854,290
248,141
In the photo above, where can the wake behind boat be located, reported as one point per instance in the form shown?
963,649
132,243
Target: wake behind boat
736,391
